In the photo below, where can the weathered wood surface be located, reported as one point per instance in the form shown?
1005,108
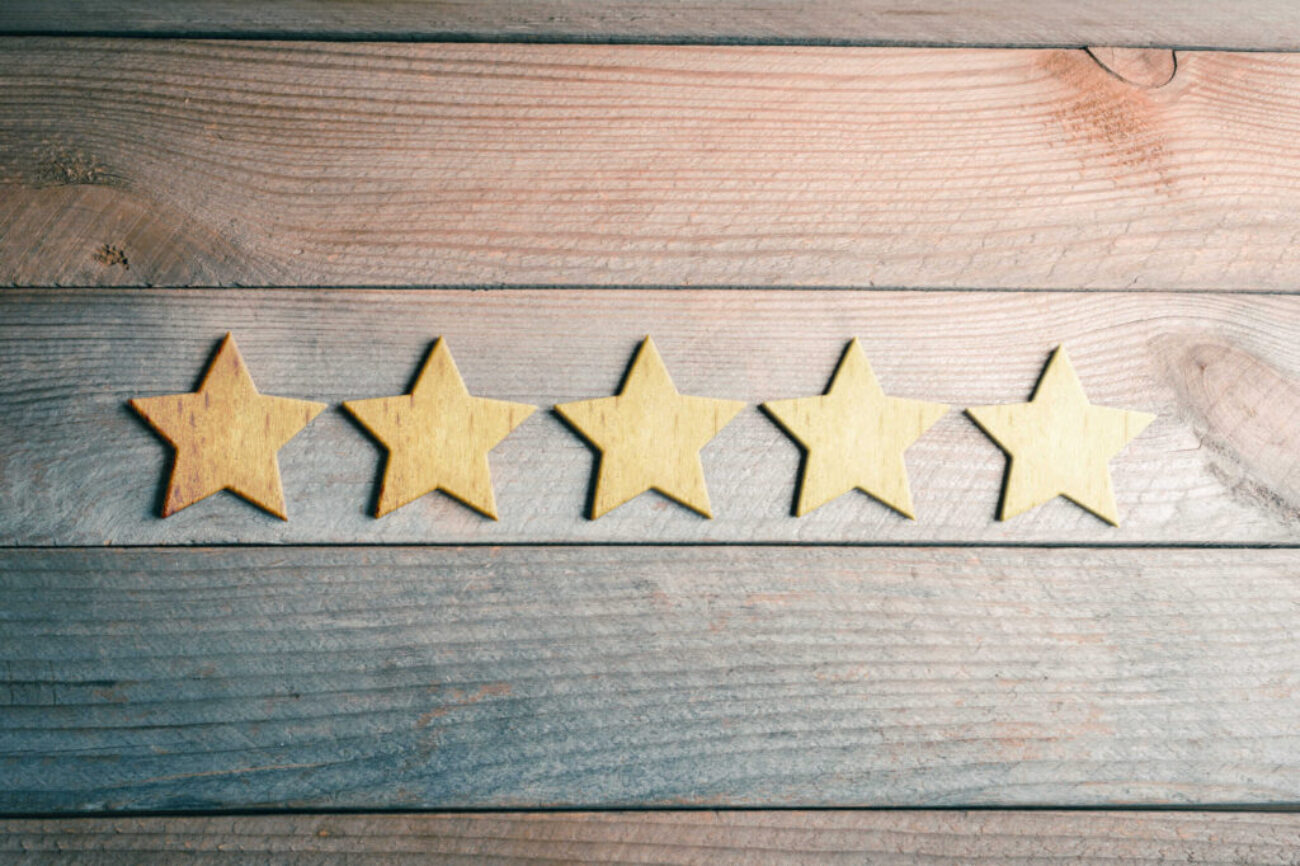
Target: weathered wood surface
723,838
381,677
1221,463
167,162
1249,24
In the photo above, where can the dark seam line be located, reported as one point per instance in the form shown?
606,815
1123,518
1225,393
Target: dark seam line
958,545
1282,807
561,38
635,287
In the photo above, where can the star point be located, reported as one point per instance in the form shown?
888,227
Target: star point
649,436
226,435
438,437
1059,444
854,437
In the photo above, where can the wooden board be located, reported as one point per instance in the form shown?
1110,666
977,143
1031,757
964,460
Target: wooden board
1218,466
1253,24
430,677
259,163
724,838
812,673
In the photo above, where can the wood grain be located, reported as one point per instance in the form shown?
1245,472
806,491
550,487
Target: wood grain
723,838
430,677
649,436
438,437
201,163
226,435
1059,444
854,436
1220,372
1251,24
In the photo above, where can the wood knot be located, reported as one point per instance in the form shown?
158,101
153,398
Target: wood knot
71,168
1142,67
109,255
1243,411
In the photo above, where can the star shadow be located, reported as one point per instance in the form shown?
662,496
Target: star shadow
165,480
804,454
372,505
589,507
1006,472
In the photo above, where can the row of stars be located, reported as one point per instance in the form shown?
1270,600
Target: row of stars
226,436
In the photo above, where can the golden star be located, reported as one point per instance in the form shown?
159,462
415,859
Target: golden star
1059,444
650,436
226,435
438,437
855,436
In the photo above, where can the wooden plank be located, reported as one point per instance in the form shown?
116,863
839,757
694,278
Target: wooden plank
723,838
1251,24
382,677
256,163
1220,372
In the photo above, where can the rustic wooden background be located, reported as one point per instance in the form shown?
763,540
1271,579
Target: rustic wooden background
754,182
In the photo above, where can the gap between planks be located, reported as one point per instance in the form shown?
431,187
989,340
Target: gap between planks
723,838
1247,25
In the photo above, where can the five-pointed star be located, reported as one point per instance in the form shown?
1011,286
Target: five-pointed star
650,436
855,436
226,435
1058,444
438,437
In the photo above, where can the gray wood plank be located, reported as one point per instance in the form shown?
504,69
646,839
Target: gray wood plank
768,838
1250,24
194,163
647,676
1221,464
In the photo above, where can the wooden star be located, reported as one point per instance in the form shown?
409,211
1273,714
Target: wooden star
1059,444
650,436
854,436
438,437
226,435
